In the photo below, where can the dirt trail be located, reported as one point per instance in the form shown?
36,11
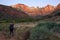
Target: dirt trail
13,38
2,36
21,25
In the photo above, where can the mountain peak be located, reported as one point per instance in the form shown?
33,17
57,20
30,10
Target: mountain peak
19,4
58,7
59,4
49,5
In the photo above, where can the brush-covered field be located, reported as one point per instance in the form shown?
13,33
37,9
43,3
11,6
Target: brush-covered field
31,31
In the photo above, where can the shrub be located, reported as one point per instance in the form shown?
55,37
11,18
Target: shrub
43,31
4,27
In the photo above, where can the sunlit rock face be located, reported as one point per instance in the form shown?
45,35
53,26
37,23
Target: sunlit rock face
47,9
26,9
34,11
21,6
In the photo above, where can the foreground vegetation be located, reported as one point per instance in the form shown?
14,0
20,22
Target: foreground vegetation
18,20
42,31
45,31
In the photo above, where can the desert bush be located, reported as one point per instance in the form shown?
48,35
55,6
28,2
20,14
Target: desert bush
43,31
4,27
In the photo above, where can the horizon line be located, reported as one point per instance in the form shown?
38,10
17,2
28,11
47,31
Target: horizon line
30,6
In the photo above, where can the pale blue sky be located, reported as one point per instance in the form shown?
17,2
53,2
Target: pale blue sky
39,3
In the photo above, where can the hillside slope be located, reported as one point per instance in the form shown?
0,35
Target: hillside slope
7,12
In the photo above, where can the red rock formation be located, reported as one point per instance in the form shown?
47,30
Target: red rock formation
48,9
21,6
12,11
34,11
29,10
22,10
58,7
